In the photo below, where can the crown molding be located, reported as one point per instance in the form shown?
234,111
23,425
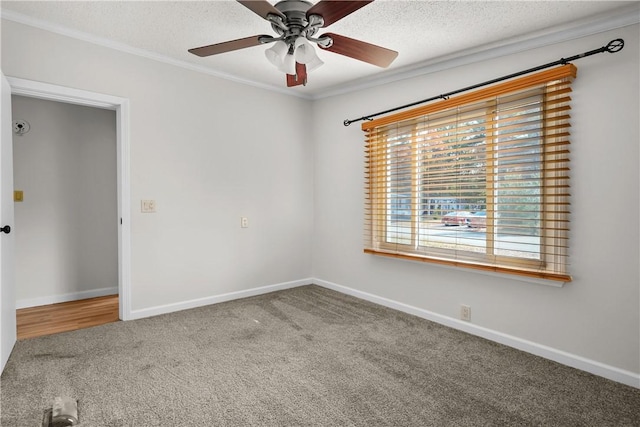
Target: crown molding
617,18
123,47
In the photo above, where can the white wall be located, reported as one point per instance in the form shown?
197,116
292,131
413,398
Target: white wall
66,227
597,316
208,151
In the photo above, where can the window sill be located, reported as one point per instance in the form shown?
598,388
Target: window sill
537,277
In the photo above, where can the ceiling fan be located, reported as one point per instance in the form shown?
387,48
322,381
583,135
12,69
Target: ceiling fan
296,22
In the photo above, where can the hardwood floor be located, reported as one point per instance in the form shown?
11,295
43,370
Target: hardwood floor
67,316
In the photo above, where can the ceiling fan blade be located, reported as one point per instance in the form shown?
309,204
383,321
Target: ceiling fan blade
261,7
360,50
214,49
334,10
300,78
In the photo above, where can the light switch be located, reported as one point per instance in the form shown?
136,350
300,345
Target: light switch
18,196
148,206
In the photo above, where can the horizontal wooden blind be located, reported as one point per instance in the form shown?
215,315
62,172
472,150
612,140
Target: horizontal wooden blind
479,181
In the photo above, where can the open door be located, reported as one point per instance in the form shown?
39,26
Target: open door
7,291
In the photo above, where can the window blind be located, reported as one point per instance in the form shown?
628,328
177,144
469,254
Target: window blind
478,181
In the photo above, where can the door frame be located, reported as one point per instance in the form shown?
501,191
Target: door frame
68,95
7,242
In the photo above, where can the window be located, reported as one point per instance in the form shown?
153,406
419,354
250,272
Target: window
479,181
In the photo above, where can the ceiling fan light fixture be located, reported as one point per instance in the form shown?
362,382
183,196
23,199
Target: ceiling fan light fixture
303,50
314,63
276,53
306,54
288,64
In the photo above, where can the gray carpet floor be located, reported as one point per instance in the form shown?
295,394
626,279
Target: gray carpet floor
307,356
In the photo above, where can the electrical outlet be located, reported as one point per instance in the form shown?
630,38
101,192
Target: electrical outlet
465,313
244,222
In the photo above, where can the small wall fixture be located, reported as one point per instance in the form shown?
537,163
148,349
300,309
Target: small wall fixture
20,127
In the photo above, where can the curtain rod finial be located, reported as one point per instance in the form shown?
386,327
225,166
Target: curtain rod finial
615,45
348,122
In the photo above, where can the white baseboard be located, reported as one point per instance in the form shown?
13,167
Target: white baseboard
184,305
610,372
73,296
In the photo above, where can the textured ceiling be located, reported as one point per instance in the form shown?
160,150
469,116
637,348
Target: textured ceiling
421,31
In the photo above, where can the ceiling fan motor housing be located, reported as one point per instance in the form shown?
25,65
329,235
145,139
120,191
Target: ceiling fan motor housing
296,23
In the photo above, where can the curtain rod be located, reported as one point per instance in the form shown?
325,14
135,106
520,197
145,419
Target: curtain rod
612,47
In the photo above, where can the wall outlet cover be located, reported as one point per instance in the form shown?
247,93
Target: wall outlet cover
148,206
465,313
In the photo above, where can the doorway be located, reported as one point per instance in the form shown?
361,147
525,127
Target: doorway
62,94
65,209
